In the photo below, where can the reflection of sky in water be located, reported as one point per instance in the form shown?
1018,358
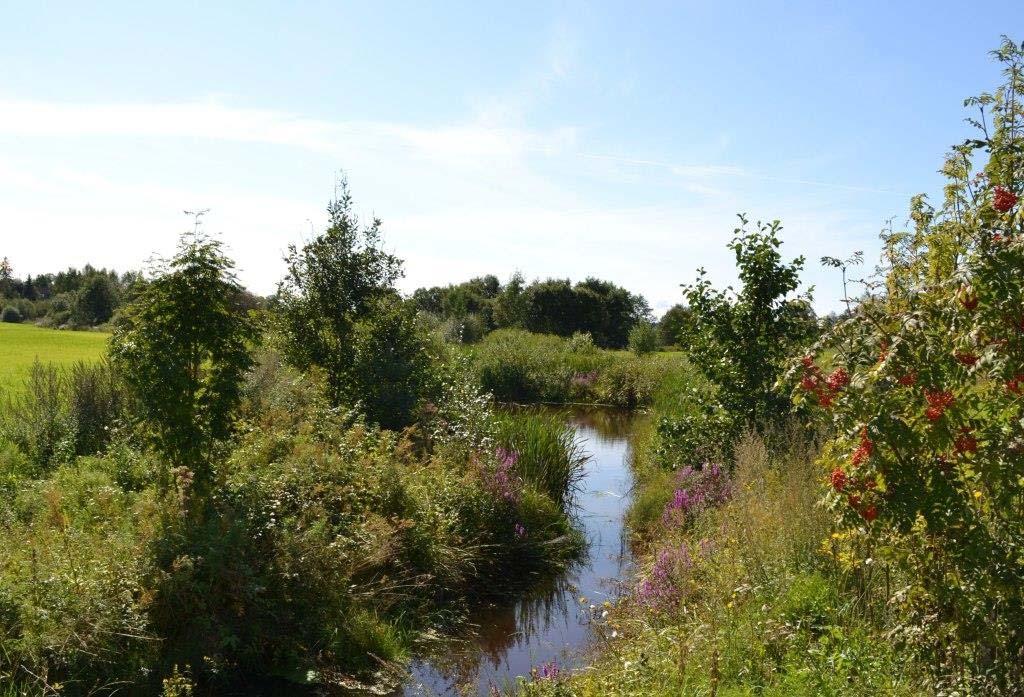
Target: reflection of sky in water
508,640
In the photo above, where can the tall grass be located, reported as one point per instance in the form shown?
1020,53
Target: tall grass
518,366
63,412
749,600
549,458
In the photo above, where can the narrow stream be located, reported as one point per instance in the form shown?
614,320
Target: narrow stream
548,624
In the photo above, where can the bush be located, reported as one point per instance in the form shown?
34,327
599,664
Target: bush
390,365
925,404
63,413
545,452
518,366
644,338
72,578
10,314
741,342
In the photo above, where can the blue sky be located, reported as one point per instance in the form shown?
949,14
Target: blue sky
558,139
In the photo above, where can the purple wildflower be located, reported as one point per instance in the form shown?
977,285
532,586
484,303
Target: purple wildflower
697,490
519,531
659,590
549,670
503,480
584,379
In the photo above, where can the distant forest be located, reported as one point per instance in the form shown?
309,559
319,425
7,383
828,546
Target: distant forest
465,312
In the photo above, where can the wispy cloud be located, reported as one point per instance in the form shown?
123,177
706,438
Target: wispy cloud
458,199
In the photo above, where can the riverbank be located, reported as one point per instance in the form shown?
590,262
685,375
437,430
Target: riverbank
327,549
549,627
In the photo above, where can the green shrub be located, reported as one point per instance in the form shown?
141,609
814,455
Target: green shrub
73,574
10,314
925,408
64,413
644,338
629,381
390,364
518,366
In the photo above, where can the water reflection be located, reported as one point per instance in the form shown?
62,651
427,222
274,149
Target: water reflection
506,640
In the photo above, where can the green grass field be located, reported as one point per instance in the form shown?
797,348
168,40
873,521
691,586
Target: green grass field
22,344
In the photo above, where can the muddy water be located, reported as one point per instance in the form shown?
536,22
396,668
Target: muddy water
549,623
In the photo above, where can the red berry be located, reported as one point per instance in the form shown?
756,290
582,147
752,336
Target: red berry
966,357
870,513
908,379
970,301
1016,384
938,402
807,360
838,479
966,443
838,379
853,500
1003,199
809,383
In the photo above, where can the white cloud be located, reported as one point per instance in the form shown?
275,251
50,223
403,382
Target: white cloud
457,199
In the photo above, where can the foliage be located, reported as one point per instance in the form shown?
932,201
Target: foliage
10,314
389,363
333,282
926,404
61,414
740,342
546,454
644,338
80,298
555,306
94,302
182,350
671,324
518,366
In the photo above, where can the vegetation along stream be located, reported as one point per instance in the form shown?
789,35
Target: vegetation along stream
548,628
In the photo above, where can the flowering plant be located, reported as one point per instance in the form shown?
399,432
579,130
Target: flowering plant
926,402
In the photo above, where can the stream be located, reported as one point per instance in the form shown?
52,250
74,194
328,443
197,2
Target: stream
548,624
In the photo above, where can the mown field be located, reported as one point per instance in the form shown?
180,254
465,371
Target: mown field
22,344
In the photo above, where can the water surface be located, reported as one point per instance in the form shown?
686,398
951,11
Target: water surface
549,623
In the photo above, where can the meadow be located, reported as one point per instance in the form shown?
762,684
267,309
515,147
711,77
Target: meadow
21,345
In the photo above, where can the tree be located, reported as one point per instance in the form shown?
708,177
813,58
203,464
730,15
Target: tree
6,278
643,338
925,404
95,301
740,340
334,281
511,305
182,347
671,324
389,364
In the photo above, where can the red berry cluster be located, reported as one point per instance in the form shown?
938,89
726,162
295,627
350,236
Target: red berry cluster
938,402
908,379
966,442
838,479
1016,384
1003,199
824,388
868,512
864,450
966,357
